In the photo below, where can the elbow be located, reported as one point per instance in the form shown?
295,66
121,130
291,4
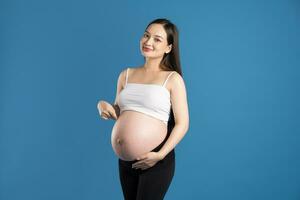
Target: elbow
184,126
183,123
187,126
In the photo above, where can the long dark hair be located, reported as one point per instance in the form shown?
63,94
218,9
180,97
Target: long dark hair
171,60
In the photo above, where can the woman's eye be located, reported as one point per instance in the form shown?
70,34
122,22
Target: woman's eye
146,35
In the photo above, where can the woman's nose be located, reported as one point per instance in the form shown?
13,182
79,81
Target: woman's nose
149,41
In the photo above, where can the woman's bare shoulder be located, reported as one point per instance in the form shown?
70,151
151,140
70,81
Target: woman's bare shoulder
175,80
122,74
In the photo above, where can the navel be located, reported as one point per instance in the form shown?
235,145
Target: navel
119,141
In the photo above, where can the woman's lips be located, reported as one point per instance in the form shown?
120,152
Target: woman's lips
146,49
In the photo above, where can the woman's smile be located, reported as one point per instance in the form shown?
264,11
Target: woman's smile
146,49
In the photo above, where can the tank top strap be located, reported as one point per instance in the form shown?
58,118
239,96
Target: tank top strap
168,78
126,76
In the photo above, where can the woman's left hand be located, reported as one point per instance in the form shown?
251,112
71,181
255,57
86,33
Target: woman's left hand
147,160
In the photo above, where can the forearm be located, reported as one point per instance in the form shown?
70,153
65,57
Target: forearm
175,137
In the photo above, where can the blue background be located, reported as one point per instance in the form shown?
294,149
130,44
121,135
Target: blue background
240,62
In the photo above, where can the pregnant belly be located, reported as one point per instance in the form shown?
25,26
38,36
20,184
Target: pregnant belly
135,133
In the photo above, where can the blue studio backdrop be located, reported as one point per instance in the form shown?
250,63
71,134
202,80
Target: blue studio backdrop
240,62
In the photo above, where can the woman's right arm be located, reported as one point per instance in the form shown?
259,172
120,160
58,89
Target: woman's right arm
106,110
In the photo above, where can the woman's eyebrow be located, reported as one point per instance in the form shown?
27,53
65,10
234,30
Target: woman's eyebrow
155,35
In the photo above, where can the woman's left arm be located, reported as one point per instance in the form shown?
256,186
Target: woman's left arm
181,114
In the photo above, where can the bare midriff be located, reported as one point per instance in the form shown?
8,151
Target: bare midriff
135,133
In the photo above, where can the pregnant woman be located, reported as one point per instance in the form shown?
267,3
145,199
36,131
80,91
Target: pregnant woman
151,114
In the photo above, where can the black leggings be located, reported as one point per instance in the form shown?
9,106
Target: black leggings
151,183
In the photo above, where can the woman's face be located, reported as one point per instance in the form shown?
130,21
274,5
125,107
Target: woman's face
154,42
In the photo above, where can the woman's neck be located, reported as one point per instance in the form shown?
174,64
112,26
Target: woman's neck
152,65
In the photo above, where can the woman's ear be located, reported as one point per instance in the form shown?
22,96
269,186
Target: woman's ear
169,49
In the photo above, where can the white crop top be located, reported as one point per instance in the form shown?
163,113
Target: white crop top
150,99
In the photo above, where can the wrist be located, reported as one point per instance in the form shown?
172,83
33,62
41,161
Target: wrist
161,155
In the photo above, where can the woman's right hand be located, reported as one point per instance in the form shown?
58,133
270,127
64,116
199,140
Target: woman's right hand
106,110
